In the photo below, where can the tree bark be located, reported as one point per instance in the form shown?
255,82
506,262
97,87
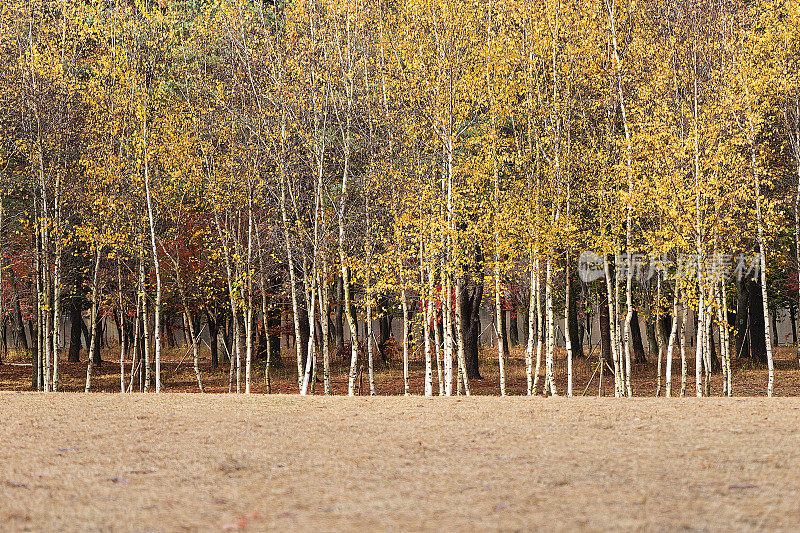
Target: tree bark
636,337
213,333
606,353
338,315
76,321
574,327
741,320
471,320
758,347
94,308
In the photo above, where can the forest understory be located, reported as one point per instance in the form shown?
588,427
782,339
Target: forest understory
178,375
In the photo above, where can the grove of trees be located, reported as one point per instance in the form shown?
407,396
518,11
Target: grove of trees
222,163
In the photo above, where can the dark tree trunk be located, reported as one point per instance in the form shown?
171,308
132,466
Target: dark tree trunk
261,351
227,337
117,325
384,327
471,321
636,337
98,328
75,330
338,315
18,313
34,353
213,333
574,329
758,346
741,325
513,328
169,327
774,320
4,340
87,339
274,334
103,332
716,364
650,331
503,326
440,325
305,334
792,319
666,329
470,314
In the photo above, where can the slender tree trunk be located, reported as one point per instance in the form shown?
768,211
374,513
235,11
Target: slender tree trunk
612,314
122,340
427,313
604,323
265,313
671,345
136,343
501,338
56,309
567,331
683,350
448,339
763,265
145,319
460,319
797,239
248,327
532,305
95,305
437,335
151,220
550,381
540,327
725,341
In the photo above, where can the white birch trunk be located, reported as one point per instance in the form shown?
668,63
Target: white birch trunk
248,326
134,363
671,344
145,320
763,272
612,315
93,322
439,349
532,304
658,333
683,351
550,382
540,327
404,300
151,220
699,344
462,363
567,336
629,215
499,321
122,339
448,340
427,311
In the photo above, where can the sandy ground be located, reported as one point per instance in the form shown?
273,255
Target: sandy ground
189,462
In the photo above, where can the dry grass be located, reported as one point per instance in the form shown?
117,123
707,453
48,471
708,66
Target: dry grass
189,462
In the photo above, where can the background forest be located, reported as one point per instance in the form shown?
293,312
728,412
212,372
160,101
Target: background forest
222,164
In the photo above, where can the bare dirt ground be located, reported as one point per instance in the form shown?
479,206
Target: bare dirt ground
189,462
